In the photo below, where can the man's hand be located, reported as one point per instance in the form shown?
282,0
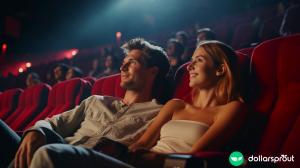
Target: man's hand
31,142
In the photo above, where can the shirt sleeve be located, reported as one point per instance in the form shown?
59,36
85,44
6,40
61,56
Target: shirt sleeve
66,123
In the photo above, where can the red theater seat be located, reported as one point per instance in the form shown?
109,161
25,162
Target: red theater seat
247,51
275,64
64,96
91,79
32,101
8,102
108,86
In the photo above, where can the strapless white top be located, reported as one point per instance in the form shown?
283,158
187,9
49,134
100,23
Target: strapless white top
177,136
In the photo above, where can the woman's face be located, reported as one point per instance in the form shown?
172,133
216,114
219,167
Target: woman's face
108,61
69,74
202,70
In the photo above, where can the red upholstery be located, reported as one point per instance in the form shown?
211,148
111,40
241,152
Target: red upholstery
247,51
91,79
35,100
108,86
64,96
8,102
276,69
182,90
19,109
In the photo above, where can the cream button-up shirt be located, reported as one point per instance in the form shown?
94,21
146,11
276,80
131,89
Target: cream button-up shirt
102,116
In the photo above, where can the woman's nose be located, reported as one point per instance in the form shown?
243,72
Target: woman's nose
190,66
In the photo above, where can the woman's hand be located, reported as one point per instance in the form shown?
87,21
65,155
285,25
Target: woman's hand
134,147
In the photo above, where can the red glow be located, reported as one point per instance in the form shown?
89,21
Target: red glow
28,64
21,70
4,46
74,52
118,35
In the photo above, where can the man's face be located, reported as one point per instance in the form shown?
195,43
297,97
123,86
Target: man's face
58,74
134,73
201,36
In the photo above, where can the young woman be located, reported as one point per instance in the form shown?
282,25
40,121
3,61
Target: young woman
215,113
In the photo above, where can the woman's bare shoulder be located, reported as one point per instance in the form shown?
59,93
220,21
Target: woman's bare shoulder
176,104
235,106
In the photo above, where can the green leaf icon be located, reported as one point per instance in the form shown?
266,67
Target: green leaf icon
236,158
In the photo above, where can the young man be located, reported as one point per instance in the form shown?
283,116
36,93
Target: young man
122,120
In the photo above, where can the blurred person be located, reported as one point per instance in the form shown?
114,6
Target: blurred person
289,24
32,79
174,51
205,34
60,72
96,68
183,38
110,64
73,72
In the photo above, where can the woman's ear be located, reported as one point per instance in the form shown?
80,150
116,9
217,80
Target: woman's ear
221,70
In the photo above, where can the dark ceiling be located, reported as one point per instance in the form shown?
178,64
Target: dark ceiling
47,25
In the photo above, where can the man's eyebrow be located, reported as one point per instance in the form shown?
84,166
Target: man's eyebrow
130,59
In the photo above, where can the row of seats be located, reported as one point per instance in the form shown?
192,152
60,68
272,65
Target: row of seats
20,109
272,92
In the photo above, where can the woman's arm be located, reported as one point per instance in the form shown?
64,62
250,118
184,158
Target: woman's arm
151,135
225,125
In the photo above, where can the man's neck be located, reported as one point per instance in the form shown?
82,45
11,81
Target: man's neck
137,97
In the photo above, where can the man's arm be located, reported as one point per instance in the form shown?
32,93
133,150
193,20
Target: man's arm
64,124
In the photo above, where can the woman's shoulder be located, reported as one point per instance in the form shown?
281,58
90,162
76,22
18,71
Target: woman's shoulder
176,104
235,104
233,107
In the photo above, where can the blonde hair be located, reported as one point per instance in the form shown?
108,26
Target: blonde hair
227,88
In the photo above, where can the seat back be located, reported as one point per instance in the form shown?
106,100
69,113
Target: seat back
35,100
9,101
277,84
64,96
247,51
109,85
91,79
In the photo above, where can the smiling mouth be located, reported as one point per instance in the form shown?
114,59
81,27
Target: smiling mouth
124,75
193,75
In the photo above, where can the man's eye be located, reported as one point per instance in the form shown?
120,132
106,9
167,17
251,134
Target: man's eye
133,62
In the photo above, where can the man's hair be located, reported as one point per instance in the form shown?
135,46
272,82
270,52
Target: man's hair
184,36
210,35
35,77
64,67
179,48
77,71
154,55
